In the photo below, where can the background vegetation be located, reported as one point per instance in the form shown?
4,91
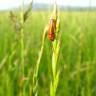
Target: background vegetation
77,59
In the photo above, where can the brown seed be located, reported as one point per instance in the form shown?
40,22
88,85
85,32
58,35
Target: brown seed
51,30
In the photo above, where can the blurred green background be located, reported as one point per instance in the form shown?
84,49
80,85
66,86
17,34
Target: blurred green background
77,59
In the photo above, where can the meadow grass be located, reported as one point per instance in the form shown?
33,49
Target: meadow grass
77,59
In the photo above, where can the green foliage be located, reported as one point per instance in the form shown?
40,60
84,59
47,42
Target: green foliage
76,62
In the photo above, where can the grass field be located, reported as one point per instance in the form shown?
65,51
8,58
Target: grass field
77,58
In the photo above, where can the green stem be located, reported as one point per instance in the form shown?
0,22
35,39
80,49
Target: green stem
22,36
21,93
35,81
55,71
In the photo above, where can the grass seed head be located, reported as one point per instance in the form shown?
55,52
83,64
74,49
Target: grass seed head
52,24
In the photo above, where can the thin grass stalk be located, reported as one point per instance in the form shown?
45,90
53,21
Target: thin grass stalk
22,49
55,55
22,36
19,27
55,71
35,75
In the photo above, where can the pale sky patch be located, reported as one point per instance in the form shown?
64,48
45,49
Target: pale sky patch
5,4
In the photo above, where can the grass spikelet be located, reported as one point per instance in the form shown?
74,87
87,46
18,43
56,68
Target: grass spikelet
55,54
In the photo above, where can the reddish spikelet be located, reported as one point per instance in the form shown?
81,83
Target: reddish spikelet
51,30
